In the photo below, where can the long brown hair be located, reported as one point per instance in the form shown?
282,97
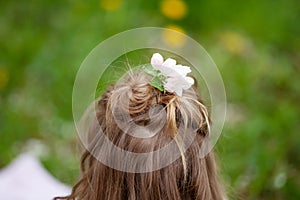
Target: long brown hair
188,177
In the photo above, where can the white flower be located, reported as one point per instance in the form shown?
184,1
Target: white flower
176,79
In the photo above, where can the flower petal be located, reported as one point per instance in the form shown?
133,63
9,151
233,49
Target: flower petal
178,83
171,84
184,70
157,61
169,63
177,70
168,71
178,91
188,82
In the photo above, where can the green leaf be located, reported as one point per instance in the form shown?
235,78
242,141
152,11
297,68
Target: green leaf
150,70
157,83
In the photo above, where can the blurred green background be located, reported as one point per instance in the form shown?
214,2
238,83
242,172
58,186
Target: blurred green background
255,44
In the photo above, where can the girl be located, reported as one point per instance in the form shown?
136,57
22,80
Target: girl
163,108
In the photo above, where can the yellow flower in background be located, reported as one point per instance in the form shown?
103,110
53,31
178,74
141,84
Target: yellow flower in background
173,9
234,42
4,77
110,5
172,38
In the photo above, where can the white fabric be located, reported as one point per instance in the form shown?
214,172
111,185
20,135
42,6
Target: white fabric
26,179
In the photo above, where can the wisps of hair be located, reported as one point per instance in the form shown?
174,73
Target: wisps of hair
189,177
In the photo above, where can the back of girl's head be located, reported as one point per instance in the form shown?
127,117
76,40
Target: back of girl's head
171,133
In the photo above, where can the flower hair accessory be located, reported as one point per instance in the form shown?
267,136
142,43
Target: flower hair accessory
167,75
